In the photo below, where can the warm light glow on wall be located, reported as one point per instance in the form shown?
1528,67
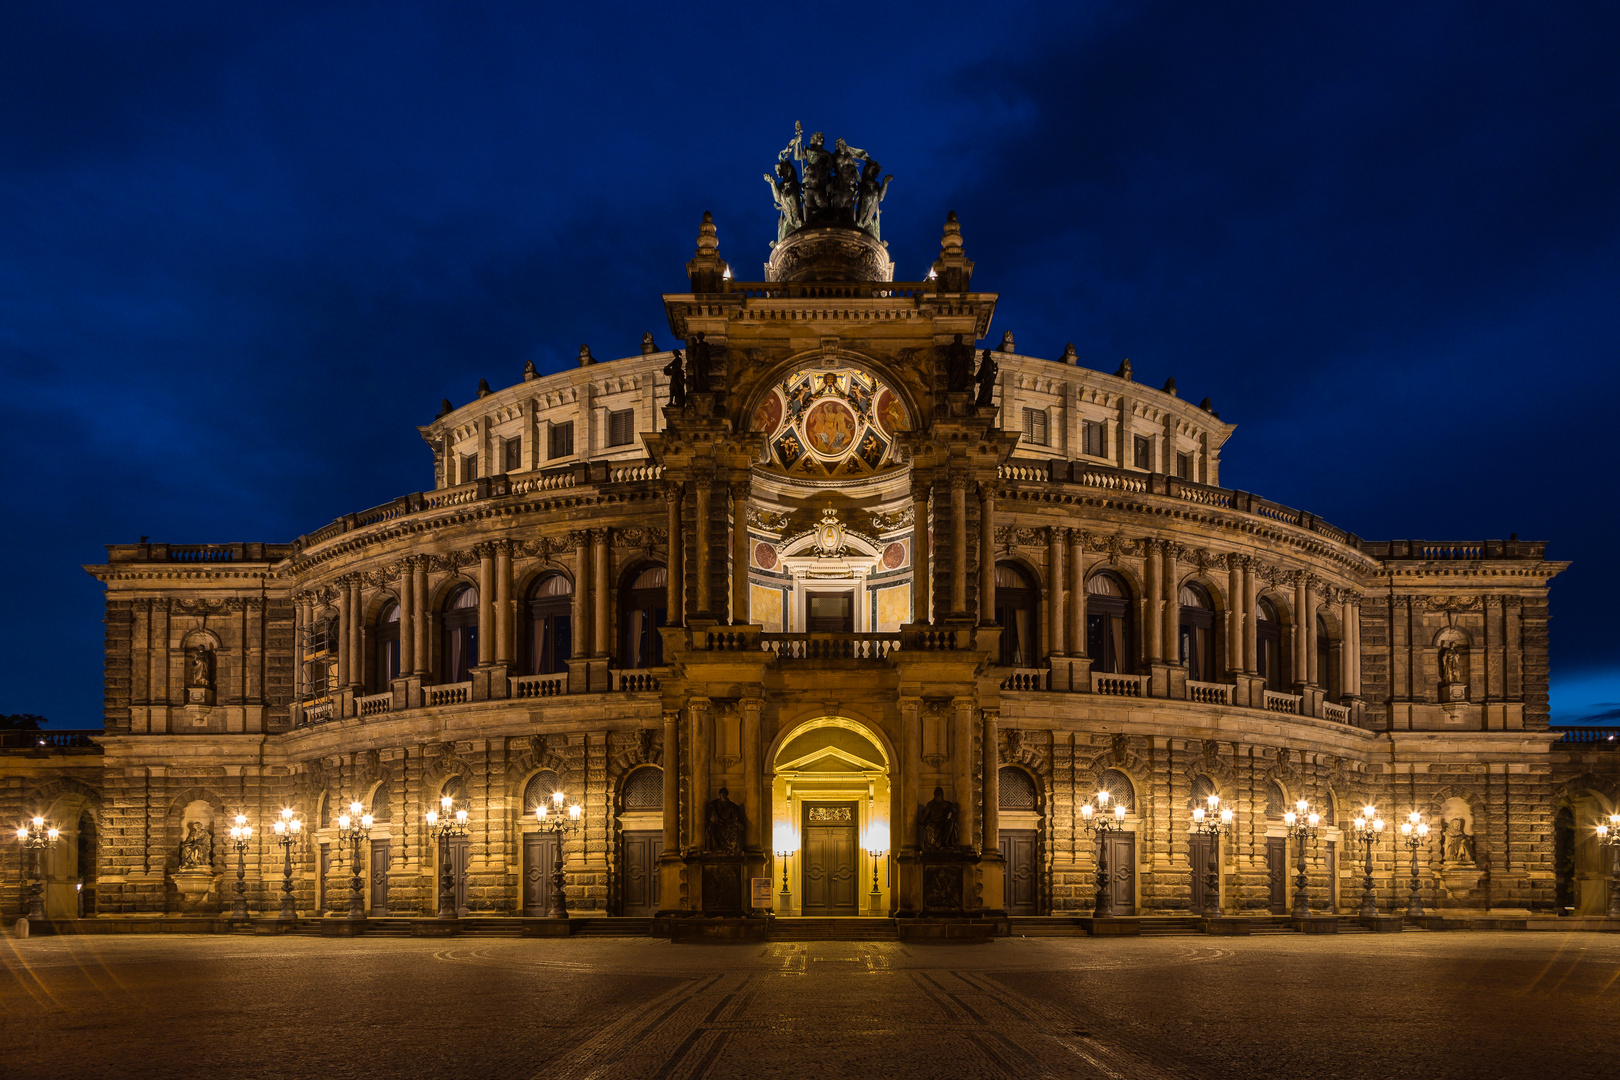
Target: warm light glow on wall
784,840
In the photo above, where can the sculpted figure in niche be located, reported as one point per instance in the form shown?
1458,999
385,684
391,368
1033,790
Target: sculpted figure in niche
697,352
1457,833
1450,664
939,826
677,380
958,366
986,378
202,669
725,822
197,849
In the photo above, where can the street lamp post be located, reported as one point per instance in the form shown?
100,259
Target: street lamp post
1212,823
1301,823
287,828
354,827
1415,834
561,824
1369,827
241,833
877,898
1099,822
37,836
443,828
784,851
1609,837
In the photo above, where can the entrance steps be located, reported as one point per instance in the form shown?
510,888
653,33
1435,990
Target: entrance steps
788,928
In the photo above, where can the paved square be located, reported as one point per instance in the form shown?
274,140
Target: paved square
1434,1005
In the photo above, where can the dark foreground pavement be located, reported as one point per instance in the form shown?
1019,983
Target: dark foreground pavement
1541,1006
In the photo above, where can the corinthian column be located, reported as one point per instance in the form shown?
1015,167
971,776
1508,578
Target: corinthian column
1153,602
599,617
672,781
1054,591
703,478
987,553
992,780
739,552
1172,607
488,636
1302,603
503,602
581,640
921,563
420,626
407,617
958,544
1077,593
676,602
1234,615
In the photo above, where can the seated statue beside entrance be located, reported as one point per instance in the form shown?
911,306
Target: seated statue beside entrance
725,821
938,821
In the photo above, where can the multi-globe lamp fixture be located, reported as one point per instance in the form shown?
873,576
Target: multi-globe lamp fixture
1301,824
241,835
1369,827
1213,822
1415,835
560,822
37,836
287,828
1100,822
444,827
1609,836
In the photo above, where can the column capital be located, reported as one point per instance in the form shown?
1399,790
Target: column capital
921,487
991,715
959,481
674,491
579,537
672,716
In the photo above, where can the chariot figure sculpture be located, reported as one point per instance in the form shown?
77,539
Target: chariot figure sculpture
815,185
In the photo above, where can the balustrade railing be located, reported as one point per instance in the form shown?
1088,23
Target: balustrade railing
770,290
49,740
534,686
931,640
1112,481
1112,685
449,694
1339,714
1018,471
438,500
546,482
812,646
201,553
1210,693
727,640
1026,679
317,711
374,704
633,473
632,682
1591,738
1282,703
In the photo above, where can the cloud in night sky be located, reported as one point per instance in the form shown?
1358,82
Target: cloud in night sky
243,254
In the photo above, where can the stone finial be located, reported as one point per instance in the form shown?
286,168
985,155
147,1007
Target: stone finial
952,270
483,388
708,242
1124,371
530,372
705,268
1007,345
1069,355
585,357
444,408
1170,386
647,345
1208,406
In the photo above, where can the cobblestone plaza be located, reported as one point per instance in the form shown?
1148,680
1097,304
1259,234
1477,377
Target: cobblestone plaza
1436,1005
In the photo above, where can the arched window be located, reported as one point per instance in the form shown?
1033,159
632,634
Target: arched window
1276,801
1330,810
1121,792
1016,605
382,801
1202,788
1326,675
550,625
642,790
1016,789
386,658
459,634
541,786
1108,623
641,613
1197,633
1268,641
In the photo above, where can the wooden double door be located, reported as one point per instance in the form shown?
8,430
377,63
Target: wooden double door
539,859
638,873
457,849
1198,850
1021,873
830,864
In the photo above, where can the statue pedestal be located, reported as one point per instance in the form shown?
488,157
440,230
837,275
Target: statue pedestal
199,695
945,882
1453,692
193,887
722,884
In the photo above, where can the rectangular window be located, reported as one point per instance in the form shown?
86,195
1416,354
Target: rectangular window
621,427
1184,466
1094,438
1035,426
512,452
469,468
562,440
1144,453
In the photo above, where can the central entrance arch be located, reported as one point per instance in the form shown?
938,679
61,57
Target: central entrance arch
830,808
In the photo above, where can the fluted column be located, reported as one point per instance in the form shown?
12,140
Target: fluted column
1355,649
357,624
1312,676
992,781
987,553
581,642
1302,594
1251,607
1234,615
1054,584
343,652
1153,603
739,552
1172,605
921,564
672,781
703,478
420,597
599,568
1346,653
1077,593
487,634
676,602
503,602
958,544
407,617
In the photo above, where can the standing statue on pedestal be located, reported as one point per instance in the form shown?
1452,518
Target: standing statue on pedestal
789,197
958,366
725,825
697,352
202,669
938,823
677,380
818,166
986,378
1450,664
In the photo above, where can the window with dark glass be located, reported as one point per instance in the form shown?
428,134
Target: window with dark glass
1268,644
512,454
550,625
1108,623
1144,452
561,438
1197,633
1094,438
1017,603
1035,427
829,612
459,635
469,468
621,427
1184,466
387,648
641,613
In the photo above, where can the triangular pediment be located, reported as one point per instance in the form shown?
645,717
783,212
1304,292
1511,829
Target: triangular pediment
830,759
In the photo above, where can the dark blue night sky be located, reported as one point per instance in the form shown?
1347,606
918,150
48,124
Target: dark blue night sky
242,255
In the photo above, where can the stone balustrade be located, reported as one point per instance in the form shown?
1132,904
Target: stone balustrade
1339,714
537,686
374,704
1283,703
1210,693
449,694
1026,679
1111,685
812,646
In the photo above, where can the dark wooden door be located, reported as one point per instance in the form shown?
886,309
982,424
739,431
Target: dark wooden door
328,893
639,871
381,859
459,846
1277,872
828,866
539,860
1122,872
1020,891
1198,865
1332,858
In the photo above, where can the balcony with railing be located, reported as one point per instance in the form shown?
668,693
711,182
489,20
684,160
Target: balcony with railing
55,741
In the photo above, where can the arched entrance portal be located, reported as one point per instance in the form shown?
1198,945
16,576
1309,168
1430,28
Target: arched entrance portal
830,803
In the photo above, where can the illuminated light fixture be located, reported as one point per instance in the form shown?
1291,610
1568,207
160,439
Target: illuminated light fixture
241,834
1369,827
561,825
